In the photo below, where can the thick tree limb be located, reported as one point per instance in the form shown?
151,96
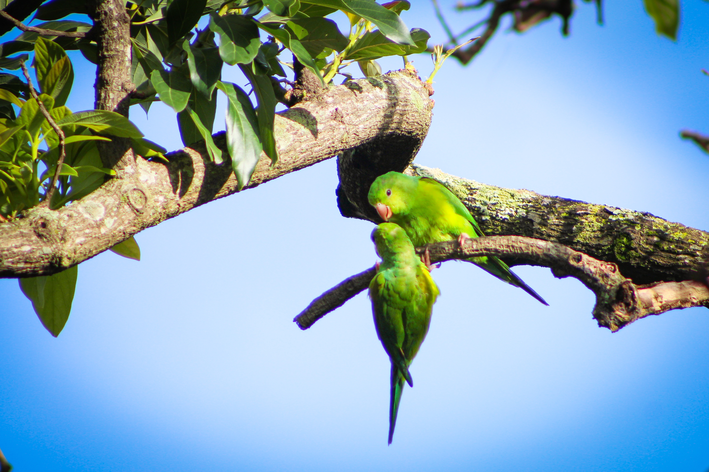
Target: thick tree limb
43,242
619,301
646,248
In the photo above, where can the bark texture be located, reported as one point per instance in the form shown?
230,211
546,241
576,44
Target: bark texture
43,241
647,249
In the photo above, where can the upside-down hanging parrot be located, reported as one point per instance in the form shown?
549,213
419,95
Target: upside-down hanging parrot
402,294
430,213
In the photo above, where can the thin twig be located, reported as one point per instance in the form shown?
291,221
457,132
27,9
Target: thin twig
4,464
60,135
442,20
42,31
619,302
701,140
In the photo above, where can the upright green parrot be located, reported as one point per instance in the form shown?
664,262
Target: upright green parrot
403,294
430,213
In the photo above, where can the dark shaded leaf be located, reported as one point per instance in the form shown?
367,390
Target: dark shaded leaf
182,16
205,66
51,297
56,9
284,36
266,110
213,150
242,133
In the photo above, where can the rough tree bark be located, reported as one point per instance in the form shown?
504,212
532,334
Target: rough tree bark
392,110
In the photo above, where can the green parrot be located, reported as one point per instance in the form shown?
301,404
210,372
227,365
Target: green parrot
430,213
403,294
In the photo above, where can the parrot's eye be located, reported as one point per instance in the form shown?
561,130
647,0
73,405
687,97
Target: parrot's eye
388,192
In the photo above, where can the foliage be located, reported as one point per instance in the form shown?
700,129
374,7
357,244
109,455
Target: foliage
179,51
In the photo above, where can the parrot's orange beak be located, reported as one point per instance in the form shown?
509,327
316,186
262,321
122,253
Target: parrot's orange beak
384,211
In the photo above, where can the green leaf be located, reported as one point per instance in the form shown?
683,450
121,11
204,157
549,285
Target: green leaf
317,34
387,21
205,67
397,6
374,45
54,70
103,121
205,110
30,115
76,138
242,133
51,297
13,63
173,88
10,97
214,152
7,134
266,110
238,38
146,148
284,36
55,9
370,68
666,16
182,16
283,7
128,248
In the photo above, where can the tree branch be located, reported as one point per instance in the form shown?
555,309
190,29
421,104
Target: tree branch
350,116
60,134
619,301
646,248
42,31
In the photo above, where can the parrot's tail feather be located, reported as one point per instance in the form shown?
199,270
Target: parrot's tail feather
397,386
502,271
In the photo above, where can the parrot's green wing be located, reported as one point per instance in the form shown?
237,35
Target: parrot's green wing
389,321
454,218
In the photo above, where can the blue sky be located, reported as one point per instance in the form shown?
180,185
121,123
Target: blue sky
189,360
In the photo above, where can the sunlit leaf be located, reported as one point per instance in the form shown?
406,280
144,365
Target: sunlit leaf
317,34
54,70
103,121
283,7
173,88
374,45
666,16
128,248
238,38
387,21
51,297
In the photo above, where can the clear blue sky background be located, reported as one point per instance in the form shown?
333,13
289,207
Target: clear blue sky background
189,360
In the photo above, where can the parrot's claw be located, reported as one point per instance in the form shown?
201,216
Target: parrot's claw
462,238
426,259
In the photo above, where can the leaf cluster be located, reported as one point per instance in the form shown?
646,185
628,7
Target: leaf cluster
180,49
